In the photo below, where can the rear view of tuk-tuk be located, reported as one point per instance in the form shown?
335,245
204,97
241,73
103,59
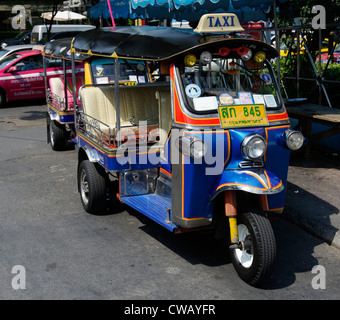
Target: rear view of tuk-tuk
193,131
59,91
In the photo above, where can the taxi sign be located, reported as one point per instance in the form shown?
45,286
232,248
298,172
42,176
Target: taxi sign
227,22
243,116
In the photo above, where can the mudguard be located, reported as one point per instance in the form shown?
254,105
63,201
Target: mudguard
258,181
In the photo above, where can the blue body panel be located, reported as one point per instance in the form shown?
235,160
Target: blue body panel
199,188
258,181
277,161
152,206
62,117
119,161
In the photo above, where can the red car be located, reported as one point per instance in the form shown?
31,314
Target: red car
335,59
22,76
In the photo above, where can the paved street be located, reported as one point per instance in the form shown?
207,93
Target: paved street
69,254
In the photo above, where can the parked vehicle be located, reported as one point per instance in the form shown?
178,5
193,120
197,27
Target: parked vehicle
194,132
39,32
21,38
59,92
335,57
22,76
21,47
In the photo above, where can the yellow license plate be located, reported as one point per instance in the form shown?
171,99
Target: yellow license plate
250,115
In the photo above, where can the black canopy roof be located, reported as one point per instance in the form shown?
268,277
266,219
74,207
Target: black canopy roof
154,43
61,48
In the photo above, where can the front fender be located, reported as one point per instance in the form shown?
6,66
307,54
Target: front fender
258,181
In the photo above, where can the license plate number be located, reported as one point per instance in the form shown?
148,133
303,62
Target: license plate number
243,116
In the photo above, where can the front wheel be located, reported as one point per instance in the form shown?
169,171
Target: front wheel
254,262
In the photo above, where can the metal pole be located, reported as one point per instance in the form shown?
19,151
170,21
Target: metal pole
45,75
65,85
298,63
320,74
117,101
277,41
74,81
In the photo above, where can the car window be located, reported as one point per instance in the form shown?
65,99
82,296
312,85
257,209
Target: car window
54,63
8,60
29,63
20,35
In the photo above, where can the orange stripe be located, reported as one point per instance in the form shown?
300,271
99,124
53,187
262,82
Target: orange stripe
165,172
257,178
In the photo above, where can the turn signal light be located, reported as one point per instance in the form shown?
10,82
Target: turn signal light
259,57
190,60
224,51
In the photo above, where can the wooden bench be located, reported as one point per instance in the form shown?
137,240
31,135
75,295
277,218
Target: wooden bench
306,114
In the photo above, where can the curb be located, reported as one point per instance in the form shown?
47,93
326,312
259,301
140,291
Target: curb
327,233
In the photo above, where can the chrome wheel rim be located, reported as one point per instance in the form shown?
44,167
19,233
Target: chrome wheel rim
52,135
245,257
84,187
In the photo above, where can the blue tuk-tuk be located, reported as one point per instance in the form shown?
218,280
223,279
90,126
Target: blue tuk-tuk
192,125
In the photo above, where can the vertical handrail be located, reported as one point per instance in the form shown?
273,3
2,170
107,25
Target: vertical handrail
65,85
117,101
277,43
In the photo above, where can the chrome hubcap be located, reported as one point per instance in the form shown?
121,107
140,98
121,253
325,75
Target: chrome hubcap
84,187
245,257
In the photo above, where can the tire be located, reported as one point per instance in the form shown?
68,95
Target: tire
254,266
92,187
58,136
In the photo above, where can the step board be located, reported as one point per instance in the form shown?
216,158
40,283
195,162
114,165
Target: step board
152,206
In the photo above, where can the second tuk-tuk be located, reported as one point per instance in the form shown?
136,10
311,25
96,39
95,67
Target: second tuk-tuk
59,91
192,125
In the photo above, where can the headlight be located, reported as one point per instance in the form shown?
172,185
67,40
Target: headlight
253,147
294,139
205,57
192,146
247,56
4,45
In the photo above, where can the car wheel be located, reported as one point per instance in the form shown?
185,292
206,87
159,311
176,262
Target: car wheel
57,136
92,187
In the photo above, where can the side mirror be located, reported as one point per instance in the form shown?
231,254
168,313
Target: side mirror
13,69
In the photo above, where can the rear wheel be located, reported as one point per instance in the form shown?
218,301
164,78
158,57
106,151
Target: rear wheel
92,187
58,136
255,261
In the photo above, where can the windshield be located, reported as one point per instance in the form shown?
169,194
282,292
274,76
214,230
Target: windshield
3,52
20,35
131,72
8,60
227,82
